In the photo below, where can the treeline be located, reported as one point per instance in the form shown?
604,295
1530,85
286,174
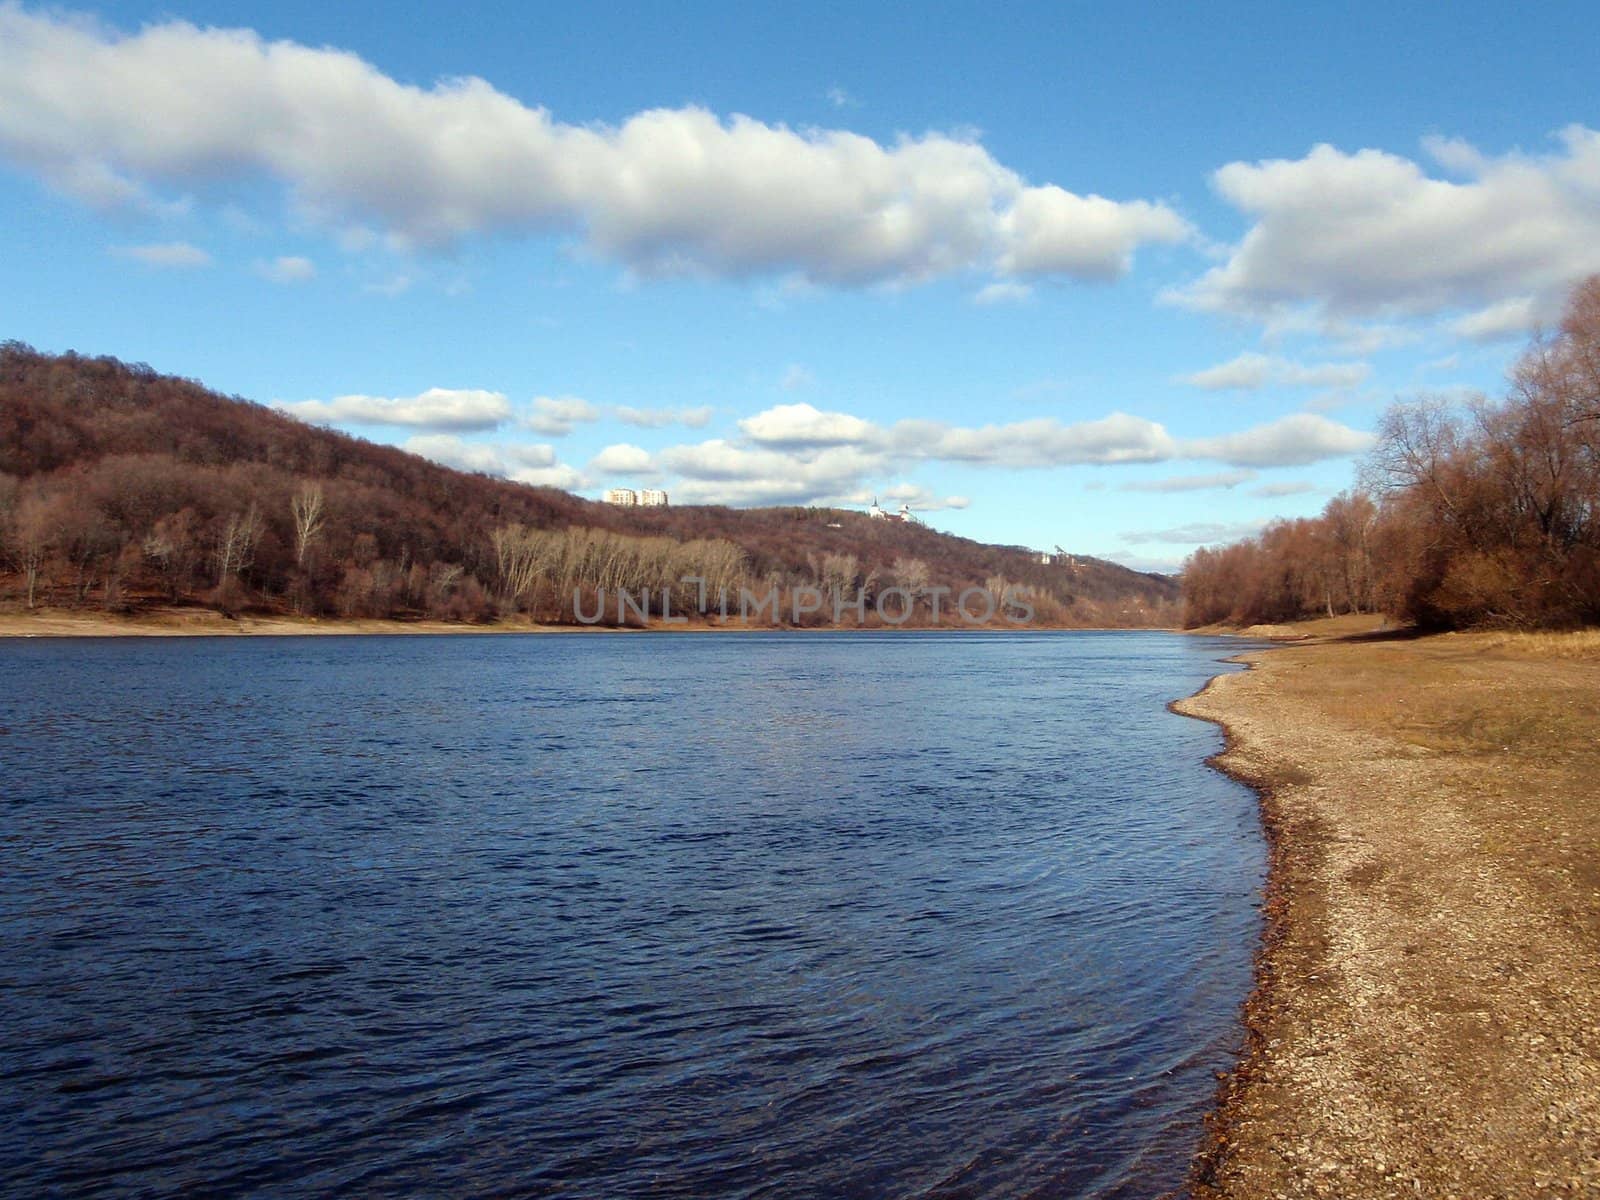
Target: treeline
1486,514
123,489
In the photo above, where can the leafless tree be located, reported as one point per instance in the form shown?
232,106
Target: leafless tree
307,510
236,543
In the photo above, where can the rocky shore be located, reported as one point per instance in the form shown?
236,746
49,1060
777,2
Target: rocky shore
1427,1013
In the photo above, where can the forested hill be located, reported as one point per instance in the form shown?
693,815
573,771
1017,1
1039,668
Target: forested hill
123,489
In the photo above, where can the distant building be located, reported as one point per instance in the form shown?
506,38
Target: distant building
626,497
905,515
653,498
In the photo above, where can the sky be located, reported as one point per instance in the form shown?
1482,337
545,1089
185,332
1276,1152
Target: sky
1125,279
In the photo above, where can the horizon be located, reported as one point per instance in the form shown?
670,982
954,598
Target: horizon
1117,296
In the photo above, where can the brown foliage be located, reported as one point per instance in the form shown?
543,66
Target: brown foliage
1485,516
122,487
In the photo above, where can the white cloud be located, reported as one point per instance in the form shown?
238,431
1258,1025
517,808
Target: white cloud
537,455
1250,371
449,450
1041,442
1192,483
1508,319
918,498
1289,488
622,459
798,425
1002,292
840,98
797,454
1372,233
1291,441
1050,231
1198,533
720,472
558,475
115,118
555,416
289,268
1147,564
659,418
166,255
436,408
532,463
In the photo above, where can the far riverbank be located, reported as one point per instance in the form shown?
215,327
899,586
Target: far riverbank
1426,1019
201,622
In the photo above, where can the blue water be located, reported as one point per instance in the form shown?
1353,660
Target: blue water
615,915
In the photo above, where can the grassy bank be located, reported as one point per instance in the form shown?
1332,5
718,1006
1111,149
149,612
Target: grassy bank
1427,1016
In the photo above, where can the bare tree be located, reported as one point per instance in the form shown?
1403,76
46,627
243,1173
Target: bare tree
33,537
236,543
172,547
306,508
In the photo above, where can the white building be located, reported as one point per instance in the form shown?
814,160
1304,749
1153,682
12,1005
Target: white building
626,497
905,515
653,498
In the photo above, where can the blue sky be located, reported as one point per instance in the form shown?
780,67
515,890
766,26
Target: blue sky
1128,280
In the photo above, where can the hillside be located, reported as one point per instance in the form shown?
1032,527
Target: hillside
122,489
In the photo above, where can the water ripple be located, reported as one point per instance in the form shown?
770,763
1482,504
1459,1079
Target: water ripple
602,916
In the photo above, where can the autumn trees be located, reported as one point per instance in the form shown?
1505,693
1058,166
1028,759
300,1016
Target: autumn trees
1483,513
121,488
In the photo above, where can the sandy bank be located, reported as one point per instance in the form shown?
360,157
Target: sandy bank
205,623
194,622
1427,1016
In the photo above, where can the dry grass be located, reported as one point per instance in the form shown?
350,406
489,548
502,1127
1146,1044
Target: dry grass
1582,644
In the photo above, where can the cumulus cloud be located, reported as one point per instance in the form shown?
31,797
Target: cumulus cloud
555,416
1251,371
1291,441
1192,483
796,425
448,450
1050,231
1047,441
557,475
533,463
1040,442
918,498
166,255
117,119
290,268
798,454
436,408
622,459
1371,233
722,472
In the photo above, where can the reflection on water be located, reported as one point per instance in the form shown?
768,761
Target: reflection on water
601,915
